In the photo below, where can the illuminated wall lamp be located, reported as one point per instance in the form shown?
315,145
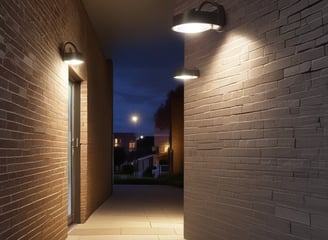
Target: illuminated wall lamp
196,20
71,55
185,74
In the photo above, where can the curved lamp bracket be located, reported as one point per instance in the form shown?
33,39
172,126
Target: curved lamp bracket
71,54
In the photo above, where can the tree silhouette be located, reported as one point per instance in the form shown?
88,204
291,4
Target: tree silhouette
163,113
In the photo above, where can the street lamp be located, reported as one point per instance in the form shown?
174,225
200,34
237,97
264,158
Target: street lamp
134,119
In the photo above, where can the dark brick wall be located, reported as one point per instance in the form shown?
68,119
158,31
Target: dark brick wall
256,124
33,117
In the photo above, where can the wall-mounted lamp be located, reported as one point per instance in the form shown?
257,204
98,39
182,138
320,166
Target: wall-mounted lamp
71,55
196,20
186,74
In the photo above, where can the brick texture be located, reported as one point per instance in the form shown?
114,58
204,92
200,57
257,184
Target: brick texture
256,164
34,117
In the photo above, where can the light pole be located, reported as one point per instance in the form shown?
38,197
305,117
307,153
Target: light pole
135,119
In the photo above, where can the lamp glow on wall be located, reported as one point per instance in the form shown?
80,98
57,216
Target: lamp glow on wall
197,20
185,74
71,54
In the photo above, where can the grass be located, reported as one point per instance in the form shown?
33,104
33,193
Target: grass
171,180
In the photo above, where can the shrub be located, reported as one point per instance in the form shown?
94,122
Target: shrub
127,169
148,172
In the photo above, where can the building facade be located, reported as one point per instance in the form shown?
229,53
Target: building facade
125,140
256,159
34,124
169,122
177,125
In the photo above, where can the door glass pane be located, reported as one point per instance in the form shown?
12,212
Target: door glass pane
70,157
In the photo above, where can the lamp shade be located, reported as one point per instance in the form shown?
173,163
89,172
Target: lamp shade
196,20
186,74
73,58
71,55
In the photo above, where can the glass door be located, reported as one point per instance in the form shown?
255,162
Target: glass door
73,152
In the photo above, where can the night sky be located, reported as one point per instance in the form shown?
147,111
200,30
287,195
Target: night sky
142,79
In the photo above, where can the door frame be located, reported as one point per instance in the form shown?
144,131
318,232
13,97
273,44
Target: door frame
74,145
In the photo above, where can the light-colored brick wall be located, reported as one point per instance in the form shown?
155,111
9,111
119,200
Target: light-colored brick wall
256,149
34,115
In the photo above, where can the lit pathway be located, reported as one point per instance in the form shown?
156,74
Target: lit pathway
141,212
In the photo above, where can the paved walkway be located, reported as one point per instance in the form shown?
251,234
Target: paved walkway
135,212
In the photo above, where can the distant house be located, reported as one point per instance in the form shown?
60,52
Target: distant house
144,155
168,132
162,144
125,140
145,146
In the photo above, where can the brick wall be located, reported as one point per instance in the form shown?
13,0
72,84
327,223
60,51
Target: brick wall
34,115
99,158
256,149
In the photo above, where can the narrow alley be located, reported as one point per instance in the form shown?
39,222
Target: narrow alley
145,212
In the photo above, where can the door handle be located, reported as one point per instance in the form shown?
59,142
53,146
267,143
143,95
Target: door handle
76,142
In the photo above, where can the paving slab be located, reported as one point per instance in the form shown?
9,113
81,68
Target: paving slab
140,212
